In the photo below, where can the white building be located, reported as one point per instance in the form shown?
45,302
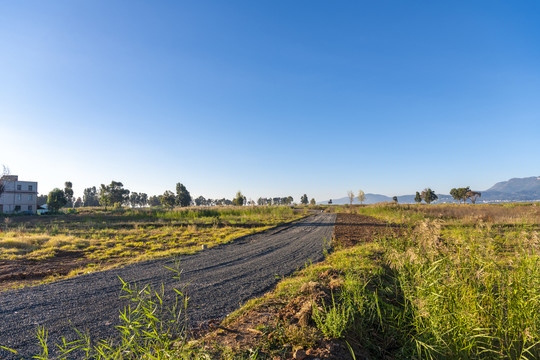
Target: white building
18,196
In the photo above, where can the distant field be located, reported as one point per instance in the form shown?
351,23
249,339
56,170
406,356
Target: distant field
35,248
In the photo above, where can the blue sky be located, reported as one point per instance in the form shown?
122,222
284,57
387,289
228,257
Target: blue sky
272,98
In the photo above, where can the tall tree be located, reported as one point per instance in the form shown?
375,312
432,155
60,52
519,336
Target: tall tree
361,196
134,199
90,197
154,200
350,195
68,191
460,194
200,201
240,199
312,202
304,199
183,198
56,200
418,198
168,199
113,194
429,196
473,195
78,203
143,199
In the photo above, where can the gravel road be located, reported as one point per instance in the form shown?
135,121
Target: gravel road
218,280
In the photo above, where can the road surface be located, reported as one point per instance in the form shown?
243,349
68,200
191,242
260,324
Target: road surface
217,281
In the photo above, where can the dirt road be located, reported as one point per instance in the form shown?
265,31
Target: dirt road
218,280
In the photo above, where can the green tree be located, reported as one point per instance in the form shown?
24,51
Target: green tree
56,200
68,191
143,199
104,196
395,199
183,198
119,195
312,202
113,194
239,200
78,203
304,199
200,201
134,199
460,194
418,198
154,200
168,199
361,196
429,196
90,197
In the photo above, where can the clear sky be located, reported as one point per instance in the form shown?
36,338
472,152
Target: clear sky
272,98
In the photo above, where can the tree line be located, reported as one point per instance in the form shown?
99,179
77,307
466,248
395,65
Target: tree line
115,195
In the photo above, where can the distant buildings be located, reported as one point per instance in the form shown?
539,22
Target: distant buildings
18,196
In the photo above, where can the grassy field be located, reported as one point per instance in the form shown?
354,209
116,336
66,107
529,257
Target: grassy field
447,282
456,282
109,238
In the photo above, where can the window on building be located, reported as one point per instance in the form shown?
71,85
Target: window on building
18,196
19,187
29,207
17,208
30,197
30,188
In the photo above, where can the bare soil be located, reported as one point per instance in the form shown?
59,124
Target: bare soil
352,229
24,272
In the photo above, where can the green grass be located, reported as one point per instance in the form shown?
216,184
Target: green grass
461,283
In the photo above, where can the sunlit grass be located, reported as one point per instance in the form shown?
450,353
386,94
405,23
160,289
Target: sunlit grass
459,283
131,235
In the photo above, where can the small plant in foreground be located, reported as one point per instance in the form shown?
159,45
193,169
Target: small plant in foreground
332,321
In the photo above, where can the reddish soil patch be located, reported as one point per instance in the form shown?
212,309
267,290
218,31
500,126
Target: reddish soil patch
14,273
352,229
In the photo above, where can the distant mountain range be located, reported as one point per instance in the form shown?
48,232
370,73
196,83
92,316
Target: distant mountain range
513,190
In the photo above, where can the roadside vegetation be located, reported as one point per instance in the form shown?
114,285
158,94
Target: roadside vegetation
99,238
402,282
450,282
